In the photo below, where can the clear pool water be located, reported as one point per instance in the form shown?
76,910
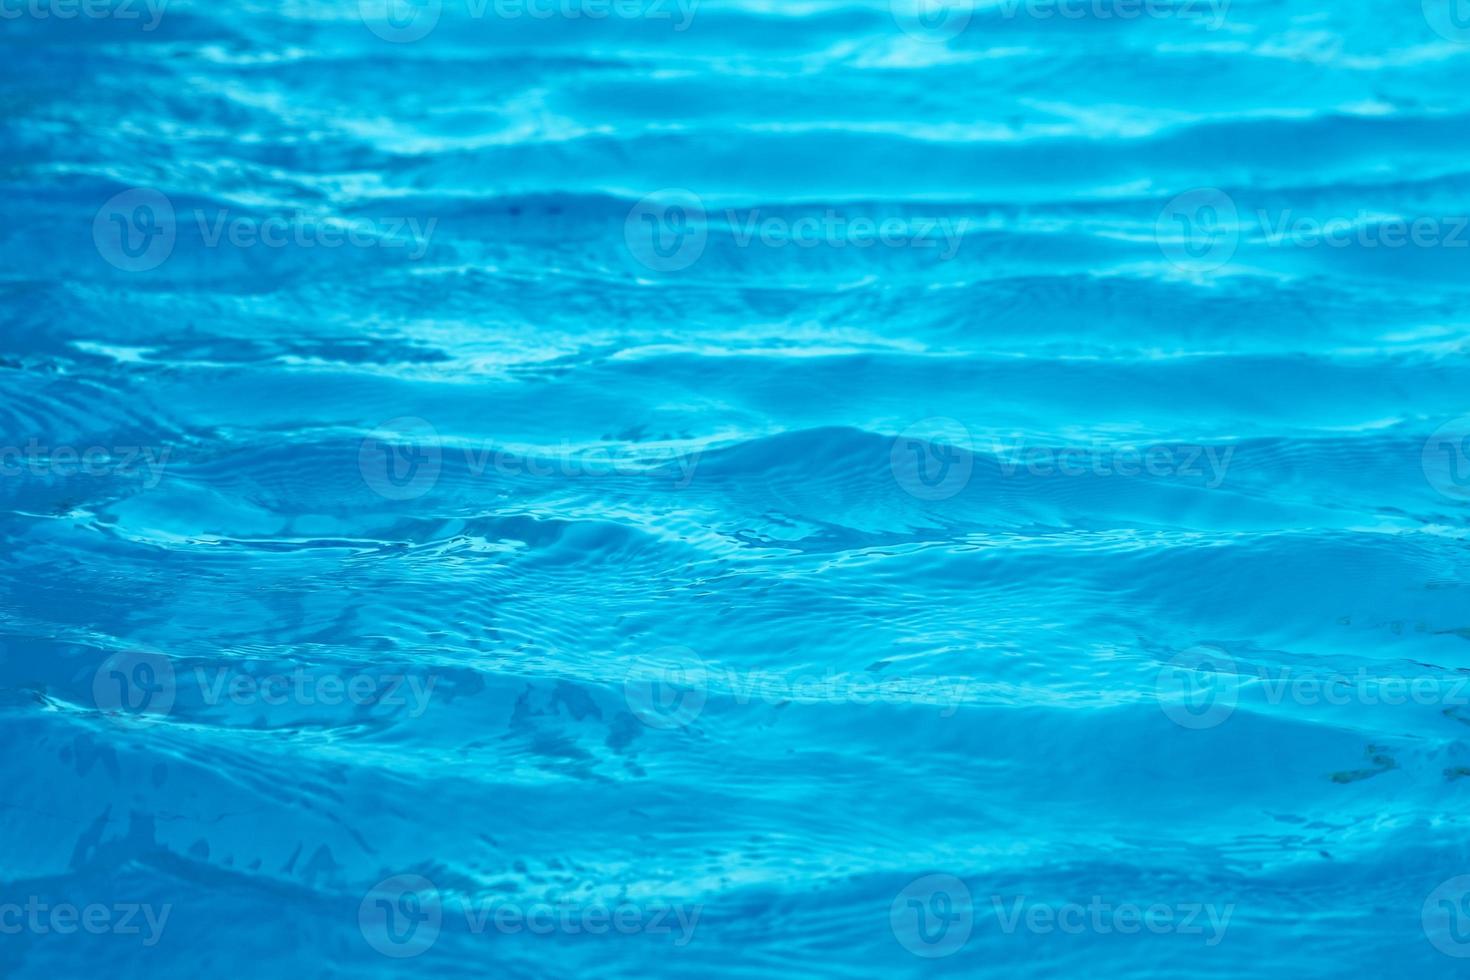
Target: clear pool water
543,488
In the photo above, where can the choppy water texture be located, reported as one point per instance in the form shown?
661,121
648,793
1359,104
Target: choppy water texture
801,489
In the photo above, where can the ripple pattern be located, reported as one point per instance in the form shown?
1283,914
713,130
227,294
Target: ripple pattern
735,488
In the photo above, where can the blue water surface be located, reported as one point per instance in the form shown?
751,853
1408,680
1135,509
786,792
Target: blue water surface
747,488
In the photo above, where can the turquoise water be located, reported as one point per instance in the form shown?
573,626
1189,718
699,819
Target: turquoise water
737,489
